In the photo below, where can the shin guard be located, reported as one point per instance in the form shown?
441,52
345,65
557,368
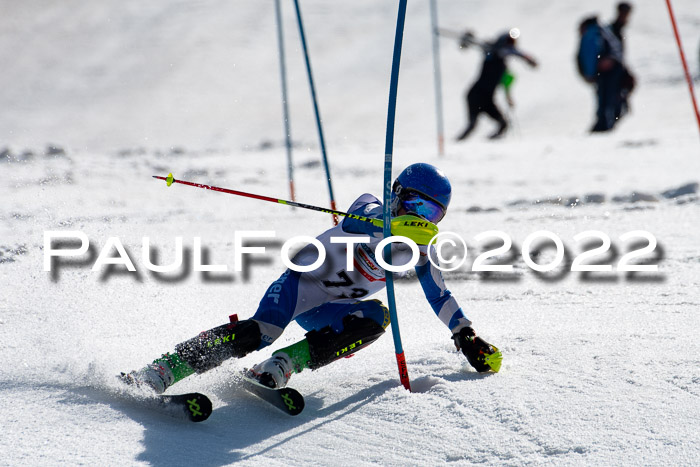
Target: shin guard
326,345
210,348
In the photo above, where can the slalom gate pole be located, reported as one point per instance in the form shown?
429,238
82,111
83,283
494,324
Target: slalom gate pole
316,112
688,78
170,180
388,154
437,77
285,102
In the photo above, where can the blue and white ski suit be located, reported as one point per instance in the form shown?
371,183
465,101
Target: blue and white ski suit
323,297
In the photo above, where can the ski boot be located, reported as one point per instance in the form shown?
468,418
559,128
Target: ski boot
273,373
480,354
159,375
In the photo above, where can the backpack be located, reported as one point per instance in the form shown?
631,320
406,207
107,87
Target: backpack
596,41
587,53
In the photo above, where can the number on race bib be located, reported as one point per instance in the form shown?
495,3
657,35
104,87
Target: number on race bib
345,281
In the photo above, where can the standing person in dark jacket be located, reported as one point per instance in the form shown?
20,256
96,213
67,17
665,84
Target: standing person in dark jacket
601,61
627,81
624,9
480,96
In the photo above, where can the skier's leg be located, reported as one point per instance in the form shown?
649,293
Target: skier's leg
210,348
336,329
197,355
339,329
234,340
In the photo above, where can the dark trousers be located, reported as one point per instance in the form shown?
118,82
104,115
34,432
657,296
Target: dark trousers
608,86
481,100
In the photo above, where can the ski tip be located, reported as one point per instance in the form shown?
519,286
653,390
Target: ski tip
288,400
293,401
199,407
195,406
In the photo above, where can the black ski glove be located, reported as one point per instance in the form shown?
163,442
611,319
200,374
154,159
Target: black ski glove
466,40
481,355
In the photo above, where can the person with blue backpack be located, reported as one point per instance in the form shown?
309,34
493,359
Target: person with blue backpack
601,62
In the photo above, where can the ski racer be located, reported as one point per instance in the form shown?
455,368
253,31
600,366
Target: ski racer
330,302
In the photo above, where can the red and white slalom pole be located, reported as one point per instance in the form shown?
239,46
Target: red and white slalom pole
688,78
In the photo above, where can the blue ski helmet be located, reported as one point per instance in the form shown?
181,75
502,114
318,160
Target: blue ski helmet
422,190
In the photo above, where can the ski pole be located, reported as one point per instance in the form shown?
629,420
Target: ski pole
419,230
170,180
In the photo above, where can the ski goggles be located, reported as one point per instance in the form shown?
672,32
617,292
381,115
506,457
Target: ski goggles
421,206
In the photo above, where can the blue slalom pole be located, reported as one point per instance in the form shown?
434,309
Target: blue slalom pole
438,77
388,154
285,102
318,117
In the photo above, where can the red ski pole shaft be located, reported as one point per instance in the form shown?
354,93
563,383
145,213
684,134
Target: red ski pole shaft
688,78
170,180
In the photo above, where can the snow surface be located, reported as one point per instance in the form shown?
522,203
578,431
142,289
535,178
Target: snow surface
599,369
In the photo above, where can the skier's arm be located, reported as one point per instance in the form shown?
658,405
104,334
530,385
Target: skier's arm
366,206
441,300
418,230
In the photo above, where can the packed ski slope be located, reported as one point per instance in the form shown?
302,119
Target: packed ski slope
99,96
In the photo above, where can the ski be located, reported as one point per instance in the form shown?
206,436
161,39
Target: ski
193,406
288,400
